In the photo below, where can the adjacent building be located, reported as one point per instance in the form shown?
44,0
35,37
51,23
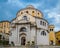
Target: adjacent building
4,29
57,35
52,39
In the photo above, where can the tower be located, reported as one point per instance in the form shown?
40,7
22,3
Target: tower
51,35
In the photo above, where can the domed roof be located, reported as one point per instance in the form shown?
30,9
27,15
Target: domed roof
30,10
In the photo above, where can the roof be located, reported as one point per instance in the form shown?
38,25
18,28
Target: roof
5,21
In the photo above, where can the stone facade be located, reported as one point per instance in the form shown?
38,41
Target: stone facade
29,26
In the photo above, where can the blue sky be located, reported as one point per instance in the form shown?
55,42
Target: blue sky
50,9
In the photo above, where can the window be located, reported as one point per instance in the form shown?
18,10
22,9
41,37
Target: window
51,29
25,17
38,13
59,41
26,11
43,24
43,33
0,37
21,12
32,11
40,22
57,38
23,29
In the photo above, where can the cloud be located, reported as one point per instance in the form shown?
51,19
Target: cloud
57,29
16,3
7,16
22,3
40,4
54,14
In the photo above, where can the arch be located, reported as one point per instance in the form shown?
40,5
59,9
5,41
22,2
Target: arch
22,34
26,11
32,11
23,29
43,23
21,12
51,42
40,22
25,17
43,33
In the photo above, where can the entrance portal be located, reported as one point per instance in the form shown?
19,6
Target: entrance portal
23,41
51,42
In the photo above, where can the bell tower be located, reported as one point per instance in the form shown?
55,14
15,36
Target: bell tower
51,35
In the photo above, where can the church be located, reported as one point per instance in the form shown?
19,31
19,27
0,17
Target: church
29,26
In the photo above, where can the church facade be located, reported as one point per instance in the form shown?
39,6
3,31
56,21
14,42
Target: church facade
29,26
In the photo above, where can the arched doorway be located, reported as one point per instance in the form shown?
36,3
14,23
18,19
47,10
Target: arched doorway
23,40
51,42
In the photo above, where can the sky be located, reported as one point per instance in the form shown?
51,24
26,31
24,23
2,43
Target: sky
49,8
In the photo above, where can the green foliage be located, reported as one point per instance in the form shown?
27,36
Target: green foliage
0,42
3,42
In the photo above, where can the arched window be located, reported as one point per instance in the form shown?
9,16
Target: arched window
51,29
21,12
43,33
25,17
26,11
43,23
32,11
40,22
38,13
23,29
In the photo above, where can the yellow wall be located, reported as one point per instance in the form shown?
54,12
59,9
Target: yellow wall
57,34
51,34
5,26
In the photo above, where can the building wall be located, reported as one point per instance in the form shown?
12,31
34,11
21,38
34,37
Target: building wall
16,34
51,34
42,39
57,35
5,26
40,25
34,28
29,18
33,34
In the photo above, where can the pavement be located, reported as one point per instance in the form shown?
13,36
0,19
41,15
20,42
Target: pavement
32,47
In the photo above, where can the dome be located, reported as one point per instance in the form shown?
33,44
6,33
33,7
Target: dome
31,10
